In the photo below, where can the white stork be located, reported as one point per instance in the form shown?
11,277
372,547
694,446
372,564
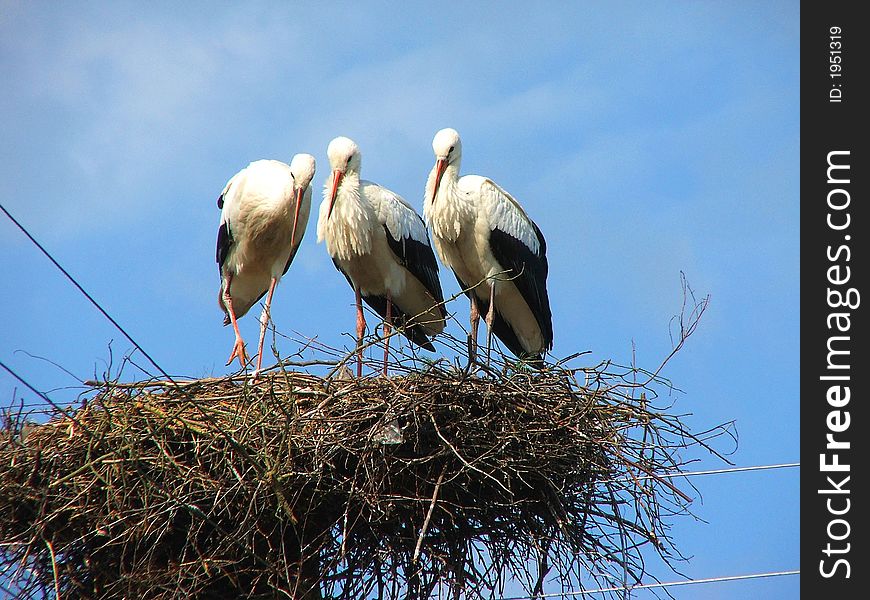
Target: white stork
495,250
264,211
381,246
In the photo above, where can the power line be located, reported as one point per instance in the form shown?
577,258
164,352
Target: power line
738,469
643,586
26,384
41,395
83,291
707,472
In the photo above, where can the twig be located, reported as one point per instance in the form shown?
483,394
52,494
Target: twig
54,569
428,516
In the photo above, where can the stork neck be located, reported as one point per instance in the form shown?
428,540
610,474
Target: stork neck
348,231
452,189
450,211
447,186
451,175
349,182
348,198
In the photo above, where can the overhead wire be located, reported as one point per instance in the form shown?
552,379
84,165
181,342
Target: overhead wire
645,586
84,292
706,472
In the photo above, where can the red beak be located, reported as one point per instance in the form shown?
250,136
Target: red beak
440,165
336,180
296,216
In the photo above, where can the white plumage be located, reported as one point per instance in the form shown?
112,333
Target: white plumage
381,245
264,212
493,247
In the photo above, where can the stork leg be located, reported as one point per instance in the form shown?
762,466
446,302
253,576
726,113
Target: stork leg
264,322
360,332
387,322
490,318
472,337
239,347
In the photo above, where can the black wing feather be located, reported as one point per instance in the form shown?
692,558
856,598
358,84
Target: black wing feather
224,243
528,272
346,276
500,327
419,259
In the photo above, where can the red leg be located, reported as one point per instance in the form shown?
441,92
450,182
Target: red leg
239,347
472,337
264,322
490,318
387,323
360,332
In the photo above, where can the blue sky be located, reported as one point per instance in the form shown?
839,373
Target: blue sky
644,138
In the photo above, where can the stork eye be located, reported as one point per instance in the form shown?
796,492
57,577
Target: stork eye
451,149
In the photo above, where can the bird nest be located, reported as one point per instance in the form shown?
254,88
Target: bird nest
309,486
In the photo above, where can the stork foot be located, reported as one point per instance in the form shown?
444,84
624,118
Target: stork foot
239,352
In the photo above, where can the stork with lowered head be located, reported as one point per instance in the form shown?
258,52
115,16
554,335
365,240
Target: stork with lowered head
264,212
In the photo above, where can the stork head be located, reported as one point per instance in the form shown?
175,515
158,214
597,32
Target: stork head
302,172
448,151
344,158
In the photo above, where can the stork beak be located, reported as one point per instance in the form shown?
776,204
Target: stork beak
440,165
299,194
336,180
